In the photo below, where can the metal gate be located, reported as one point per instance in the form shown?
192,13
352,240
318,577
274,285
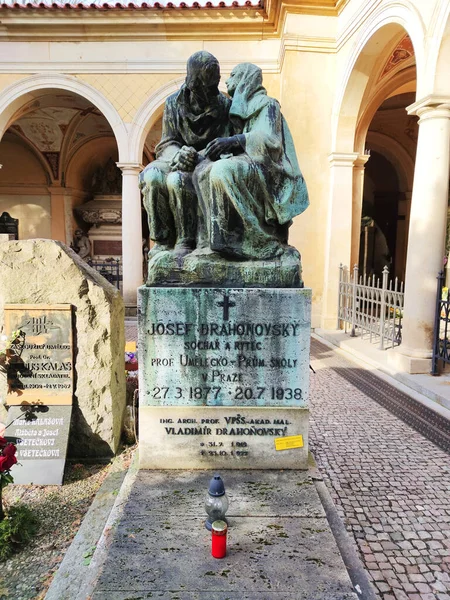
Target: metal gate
369,305
441,344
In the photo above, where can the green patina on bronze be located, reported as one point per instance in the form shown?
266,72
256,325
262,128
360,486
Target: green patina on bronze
220,205
193,117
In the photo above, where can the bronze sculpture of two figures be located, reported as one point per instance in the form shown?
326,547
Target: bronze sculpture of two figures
225,184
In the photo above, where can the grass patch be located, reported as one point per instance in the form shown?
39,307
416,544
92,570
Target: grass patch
16,529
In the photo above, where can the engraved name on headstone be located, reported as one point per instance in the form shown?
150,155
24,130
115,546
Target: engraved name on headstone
41,434
41,372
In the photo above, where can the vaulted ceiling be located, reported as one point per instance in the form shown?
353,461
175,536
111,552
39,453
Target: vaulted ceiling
56,124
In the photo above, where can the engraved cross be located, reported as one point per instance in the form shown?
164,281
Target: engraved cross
227,304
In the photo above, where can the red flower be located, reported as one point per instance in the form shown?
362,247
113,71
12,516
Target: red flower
3,442
3,460
8,458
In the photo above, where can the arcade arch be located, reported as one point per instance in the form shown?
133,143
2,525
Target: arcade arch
54,126
67,93
384,61
388,179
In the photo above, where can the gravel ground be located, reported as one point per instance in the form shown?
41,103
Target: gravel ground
60,509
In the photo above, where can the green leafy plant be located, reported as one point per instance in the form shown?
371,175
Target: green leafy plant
7,460
11,347
16,529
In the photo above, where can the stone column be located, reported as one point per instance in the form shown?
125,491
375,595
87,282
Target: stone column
426,240
358,190
131,232
339,231
58,208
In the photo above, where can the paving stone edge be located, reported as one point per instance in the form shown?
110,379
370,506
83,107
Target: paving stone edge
345,543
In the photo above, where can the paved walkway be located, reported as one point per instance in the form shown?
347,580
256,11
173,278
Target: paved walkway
130,330
391,484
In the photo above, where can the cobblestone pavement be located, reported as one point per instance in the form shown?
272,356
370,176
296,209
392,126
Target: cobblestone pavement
390,484
130,330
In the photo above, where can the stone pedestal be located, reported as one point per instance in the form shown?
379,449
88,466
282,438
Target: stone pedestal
104,212
224,377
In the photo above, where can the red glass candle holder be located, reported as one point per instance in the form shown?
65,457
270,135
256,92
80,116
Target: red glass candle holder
219,539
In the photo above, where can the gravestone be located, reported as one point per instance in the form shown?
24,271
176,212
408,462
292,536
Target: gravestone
224,377
40,389
49,273
224,321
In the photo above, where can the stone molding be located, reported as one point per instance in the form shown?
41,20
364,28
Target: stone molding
157,24
359,31
361,161
126,66
373,11
289,42
343,159
135,24
26,189
300,43
132,168
432,103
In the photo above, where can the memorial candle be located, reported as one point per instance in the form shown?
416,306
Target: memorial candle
219,539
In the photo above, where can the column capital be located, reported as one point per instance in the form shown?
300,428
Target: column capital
342,159
361,160
431,106
130,167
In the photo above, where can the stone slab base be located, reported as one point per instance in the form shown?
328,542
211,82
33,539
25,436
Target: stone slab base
280,545
192,270
223,437
409,364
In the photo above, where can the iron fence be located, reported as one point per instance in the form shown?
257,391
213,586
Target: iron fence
372,306
109,269
441,343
